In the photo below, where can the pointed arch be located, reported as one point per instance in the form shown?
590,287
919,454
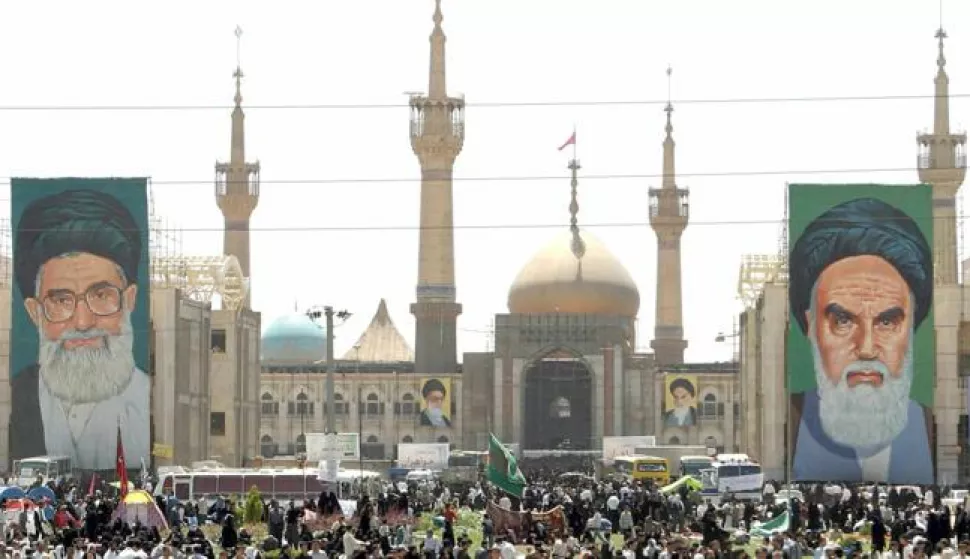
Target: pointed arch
269,405
557,403
372,404
267,447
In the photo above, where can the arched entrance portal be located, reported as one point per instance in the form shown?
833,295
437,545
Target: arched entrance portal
558,404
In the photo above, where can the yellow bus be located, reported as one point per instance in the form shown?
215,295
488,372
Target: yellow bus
641,468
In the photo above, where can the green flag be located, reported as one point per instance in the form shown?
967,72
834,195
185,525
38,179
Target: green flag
503,471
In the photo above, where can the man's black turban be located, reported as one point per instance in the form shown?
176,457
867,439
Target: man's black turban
75,221
864,226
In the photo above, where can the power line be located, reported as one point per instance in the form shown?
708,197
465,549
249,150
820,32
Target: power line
536,178
484,226
483,104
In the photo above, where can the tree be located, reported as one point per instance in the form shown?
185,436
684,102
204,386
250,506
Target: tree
254,506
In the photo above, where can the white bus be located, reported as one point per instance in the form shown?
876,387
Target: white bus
735,474
47,468
694,465
282,485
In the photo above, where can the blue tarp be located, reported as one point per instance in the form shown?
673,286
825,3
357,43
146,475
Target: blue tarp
11,492
38,494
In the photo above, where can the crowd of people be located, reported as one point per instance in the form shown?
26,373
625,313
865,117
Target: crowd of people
558,516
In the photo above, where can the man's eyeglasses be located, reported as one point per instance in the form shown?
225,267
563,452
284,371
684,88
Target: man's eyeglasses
102,300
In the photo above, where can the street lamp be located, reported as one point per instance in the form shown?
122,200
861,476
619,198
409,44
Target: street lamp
329,313
360,415
733,336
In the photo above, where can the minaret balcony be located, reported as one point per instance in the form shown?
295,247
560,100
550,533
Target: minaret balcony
230,181
437,124
669,203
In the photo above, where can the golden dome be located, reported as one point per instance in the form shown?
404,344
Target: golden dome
556,281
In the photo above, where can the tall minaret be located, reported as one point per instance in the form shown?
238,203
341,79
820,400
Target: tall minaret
437,136
942,163
237,183
668,217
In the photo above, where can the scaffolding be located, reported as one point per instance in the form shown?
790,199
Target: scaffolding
6,254
783,239
165,249
755,272
202,278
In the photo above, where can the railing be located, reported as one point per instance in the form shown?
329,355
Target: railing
444,118
669,202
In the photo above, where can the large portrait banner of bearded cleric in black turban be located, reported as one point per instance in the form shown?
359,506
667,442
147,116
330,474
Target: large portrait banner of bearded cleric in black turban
80,321
861,344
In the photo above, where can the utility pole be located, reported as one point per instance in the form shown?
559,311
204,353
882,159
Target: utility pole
331,416
331,412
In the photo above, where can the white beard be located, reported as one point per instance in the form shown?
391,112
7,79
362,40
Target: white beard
864,416
86,375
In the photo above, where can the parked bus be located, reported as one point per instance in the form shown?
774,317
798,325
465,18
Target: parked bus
48,468
282,485
643,468
736,475
464,466
693,465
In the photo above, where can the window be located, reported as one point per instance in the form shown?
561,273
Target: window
372,439
372,406
442,439
709,407
218,341
269,405
301,407
372,450
407,439
217,423
749,470
301,443
267,447
407,406
340,407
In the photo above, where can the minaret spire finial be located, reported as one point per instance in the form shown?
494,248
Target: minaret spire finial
941,59
578,246
238,74
436,80
669,109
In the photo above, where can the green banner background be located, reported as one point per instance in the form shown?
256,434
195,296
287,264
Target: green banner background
805,203
133,194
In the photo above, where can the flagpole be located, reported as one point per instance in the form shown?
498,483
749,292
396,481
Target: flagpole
575,139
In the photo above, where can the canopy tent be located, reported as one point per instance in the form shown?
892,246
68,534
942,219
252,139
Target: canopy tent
690,482
18,505
140,506
40,493
11,492
775,525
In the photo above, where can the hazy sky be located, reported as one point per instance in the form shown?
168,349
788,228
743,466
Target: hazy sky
542,65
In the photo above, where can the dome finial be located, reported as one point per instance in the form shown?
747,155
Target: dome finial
578,247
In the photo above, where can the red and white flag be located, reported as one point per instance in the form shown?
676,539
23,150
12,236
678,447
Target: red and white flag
570,142
121,468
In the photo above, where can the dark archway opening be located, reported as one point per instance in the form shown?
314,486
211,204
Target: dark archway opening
558,405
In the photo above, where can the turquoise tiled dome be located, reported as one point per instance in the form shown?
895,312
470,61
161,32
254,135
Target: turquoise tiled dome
294,338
